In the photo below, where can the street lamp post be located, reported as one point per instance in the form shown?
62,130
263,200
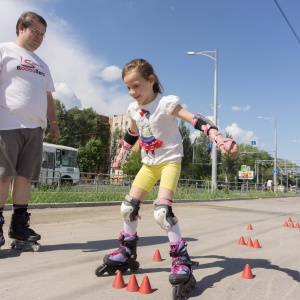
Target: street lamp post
214,56
273,120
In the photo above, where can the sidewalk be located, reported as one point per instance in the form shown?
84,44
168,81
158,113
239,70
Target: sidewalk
74,241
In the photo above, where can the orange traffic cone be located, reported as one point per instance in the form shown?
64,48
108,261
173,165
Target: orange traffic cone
256,244
249,243
292,225
247,273
286,224
119,281
297,225
145,286
289,219
249,227
132,285
241,241
157,256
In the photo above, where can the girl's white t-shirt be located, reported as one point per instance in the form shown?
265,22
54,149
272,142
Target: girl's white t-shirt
24,82
160,138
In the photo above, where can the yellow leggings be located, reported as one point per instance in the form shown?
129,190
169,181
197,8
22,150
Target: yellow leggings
168,174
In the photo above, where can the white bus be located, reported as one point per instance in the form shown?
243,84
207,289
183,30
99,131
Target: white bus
59,165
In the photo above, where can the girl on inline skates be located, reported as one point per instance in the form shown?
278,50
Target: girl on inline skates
153,122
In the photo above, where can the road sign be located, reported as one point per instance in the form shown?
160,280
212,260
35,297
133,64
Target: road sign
275,171
246,175
253,143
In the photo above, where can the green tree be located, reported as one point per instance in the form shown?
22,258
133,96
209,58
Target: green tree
133,163
187,149
78,127
91,156
202,157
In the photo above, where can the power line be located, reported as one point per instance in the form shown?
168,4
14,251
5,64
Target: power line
287,21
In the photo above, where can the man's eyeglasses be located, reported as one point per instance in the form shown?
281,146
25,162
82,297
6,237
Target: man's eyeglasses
37,33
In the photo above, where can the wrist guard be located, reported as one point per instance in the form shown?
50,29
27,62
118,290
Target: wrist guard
203,124
129,139
120,158
127,143
227,142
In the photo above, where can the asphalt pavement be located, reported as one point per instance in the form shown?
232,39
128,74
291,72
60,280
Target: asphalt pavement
75,239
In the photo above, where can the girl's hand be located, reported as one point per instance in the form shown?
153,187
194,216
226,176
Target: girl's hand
227,146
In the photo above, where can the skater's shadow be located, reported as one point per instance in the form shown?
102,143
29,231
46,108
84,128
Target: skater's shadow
231,266
101,245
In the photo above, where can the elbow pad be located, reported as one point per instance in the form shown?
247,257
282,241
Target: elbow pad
203,124
129,139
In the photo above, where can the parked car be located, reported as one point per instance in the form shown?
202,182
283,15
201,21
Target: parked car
293,188
281,188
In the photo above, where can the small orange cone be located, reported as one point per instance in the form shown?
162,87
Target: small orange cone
289,219
292,225
132,285
247,273
286,224
241,241
119,281
145,286
249,227
157,256
297,225
249,243
256,244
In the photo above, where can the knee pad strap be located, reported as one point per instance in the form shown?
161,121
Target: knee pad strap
130,209
163,213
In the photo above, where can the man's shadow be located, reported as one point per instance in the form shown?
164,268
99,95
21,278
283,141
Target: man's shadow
231,266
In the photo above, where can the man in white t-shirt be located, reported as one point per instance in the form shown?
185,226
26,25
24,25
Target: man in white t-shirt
26,103
269,185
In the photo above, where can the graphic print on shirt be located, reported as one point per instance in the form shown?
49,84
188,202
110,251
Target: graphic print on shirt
30,66
147,141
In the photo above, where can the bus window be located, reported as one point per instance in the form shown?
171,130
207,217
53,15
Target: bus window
45,160
58,158
51,161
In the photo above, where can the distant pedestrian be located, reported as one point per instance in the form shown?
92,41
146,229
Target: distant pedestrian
270,185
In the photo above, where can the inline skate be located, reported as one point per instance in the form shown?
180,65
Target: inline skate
122,259
181,276
2,240
23,237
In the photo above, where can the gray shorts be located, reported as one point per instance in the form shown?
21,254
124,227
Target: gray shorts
21,152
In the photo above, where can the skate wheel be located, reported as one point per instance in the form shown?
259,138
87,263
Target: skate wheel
110,272
36,247
11,244
174,293
135,266
101,270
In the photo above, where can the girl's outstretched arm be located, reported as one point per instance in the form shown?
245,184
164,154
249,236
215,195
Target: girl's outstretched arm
226,145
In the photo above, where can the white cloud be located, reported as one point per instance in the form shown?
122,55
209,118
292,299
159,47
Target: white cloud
237,108
240,135
63,91
111,73
75,70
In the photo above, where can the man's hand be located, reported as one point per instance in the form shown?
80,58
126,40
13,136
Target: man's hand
54,132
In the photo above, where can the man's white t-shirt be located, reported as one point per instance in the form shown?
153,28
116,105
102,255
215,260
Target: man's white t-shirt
24,82
160,138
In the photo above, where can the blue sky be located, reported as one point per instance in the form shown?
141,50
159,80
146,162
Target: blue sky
88,43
